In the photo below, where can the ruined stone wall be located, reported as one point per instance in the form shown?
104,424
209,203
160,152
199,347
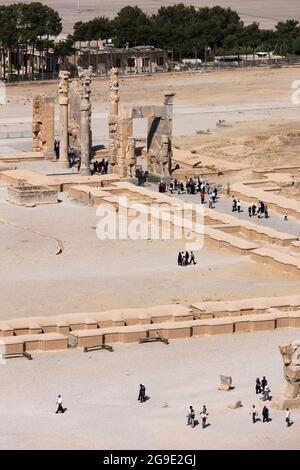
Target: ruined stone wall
43,125
74,115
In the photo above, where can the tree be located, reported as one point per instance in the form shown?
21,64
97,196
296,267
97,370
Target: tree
131,25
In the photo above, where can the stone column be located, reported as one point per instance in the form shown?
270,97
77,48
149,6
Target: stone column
64,131
114,92
113,121
85,77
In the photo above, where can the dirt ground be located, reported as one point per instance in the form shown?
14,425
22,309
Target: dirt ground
100,389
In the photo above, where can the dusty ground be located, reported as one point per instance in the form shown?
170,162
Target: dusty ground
100,389
259,11
262,120
93,275
100,393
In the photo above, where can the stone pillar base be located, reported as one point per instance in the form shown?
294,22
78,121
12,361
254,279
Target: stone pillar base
49,156
63,165
85,171
284,403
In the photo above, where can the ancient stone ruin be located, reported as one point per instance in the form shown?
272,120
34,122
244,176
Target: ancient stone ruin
28,195
43,125
122,144
75,128
291,360
226,382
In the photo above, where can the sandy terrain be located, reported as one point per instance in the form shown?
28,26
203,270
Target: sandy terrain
93,275
100,392
202,99
258,10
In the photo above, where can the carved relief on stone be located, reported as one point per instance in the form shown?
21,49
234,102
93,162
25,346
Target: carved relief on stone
114,90
291,359
63,86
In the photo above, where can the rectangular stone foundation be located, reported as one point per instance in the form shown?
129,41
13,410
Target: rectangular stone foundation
32,195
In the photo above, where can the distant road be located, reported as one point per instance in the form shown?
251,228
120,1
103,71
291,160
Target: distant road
265,12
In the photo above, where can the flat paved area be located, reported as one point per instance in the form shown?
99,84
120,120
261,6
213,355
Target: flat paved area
94,275
100,389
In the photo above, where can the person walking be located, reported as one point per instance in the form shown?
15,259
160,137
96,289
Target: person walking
140,393
266,212
257,386
192,414
253,413
182,258
143,393
187,257
234,204
189,416
263,383
265,414
288,417
285,215
202,197
253,209
204,416
179,258
238,205
192,258
60,408
266,392
250,211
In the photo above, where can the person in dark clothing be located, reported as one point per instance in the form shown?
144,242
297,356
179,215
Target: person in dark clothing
234,203
253,209
250,211
263,383
257,386
187,257
265,414
266,212
142,393
179,258
56,148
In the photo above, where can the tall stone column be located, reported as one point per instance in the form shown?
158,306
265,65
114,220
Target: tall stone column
85,77
113,121
114,92
63,104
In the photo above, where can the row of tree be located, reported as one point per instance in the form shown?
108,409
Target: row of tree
31,28
26,28
184,29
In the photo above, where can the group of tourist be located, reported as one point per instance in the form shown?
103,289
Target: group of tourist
265,414
192,185
191,417
236,205
185,258
100,167
262,386
260,209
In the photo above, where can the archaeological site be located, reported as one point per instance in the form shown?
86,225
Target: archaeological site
150,240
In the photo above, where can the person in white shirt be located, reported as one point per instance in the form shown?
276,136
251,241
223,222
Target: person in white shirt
266,392
60,408
253,412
